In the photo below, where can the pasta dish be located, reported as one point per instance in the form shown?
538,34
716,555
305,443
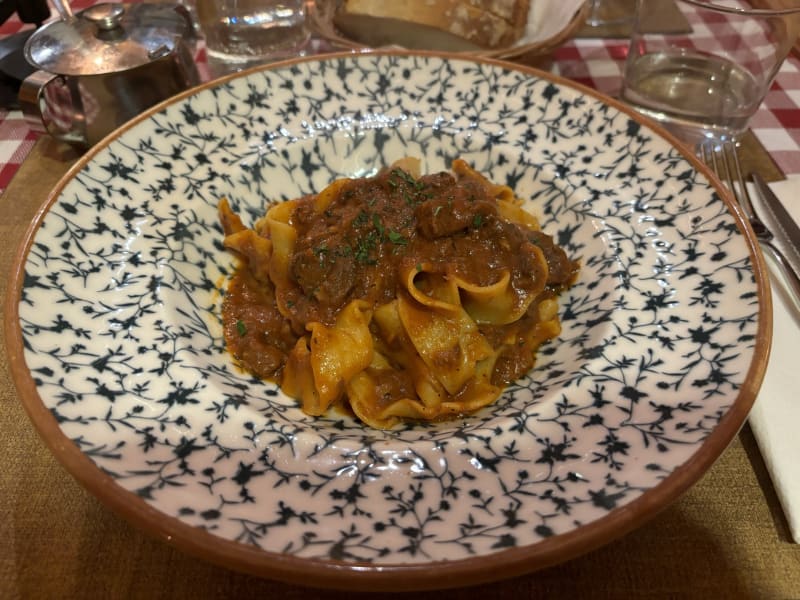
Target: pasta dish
400,296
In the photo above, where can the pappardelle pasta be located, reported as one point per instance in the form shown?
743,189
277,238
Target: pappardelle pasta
400,296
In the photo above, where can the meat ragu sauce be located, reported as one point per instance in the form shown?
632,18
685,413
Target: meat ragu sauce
357,248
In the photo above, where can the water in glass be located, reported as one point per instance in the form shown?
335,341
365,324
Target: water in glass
682,88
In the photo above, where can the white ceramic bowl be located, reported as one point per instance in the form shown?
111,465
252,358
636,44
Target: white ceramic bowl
115,340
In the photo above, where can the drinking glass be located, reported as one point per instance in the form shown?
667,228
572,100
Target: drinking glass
243,33
706,84
610,12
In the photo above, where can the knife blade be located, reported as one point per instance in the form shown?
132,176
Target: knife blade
785,230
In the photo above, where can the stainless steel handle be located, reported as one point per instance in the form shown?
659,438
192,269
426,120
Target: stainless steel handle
38,112
31,98
64,9
789,275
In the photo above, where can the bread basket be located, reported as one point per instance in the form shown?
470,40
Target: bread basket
321,19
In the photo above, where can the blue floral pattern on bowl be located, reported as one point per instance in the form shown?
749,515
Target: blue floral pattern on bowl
119,313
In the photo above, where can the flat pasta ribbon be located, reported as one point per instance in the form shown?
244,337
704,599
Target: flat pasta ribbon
448,343
330,357
283,236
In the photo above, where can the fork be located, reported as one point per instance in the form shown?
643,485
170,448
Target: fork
724,161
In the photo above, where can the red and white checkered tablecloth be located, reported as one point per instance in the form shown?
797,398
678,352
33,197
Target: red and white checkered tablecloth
596,63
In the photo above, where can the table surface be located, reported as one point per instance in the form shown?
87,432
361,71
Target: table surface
725,538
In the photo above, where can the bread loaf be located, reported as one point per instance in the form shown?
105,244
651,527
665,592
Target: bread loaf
513,11
434,24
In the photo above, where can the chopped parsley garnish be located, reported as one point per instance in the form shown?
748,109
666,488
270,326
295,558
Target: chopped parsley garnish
321,252
241,328
364,246
361,219
405,176
397,238
376,223
398,176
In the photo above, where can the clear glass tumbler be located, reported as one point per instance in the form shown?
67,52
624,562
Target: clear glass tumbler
243,33
610,12
706,84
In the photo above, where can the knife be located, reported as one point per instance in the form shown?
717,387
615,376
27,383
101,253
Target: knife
784,229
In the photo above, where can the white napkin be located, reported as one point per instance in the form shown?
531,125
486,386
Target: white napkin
775,417
545,19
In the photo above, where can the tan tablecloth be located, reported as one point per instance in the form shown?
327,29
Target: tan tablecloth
725,539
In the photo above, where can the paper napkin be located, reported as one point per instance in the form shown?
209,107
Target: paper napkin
545,19
775,417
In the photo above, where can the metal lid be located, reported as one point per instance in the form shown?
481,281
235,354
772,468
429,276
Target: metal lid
107,38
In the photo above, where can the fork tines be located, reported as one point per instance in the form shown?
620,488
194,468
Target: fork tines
723,158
